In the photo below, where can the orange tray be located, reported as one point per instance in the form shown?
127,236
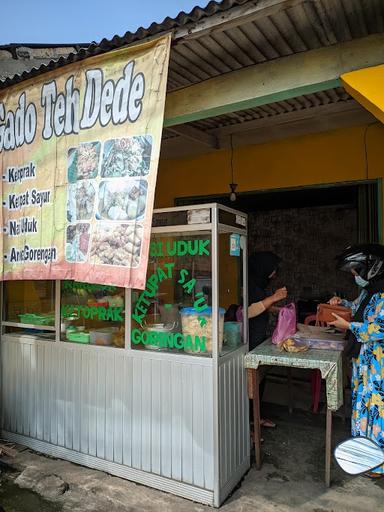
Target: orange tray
324,313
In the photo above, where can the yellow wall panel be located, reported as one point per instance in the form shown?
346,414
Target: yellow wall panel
330,157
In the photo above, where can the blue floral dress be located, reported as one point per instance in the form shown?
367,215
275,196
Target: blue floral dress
368,373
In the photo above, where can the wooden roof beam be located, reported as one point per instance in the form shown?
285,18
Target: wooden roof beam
197,135
293,124
276,80
314,119
286,118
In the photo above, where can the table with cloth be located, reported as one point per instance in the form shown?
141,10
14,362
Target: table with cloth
329,362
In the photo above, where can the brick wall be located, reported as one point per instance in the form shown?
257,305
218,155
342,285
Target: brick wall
307,240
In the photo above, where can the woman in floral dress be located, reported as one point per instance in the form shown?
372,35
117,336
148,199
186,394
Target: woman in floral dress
366,262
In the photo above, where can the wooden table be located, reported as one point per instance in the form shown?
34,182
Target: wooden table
329,362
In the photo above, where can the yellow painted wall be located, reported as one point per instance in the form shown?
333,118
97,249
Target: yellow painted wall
330,157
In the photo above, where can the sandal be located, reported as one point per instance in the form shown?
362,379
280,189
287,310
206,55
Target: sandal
373,475
267,423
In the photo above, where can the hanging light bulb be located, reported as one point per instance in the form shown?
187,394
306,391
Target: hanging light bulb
232,186
232,195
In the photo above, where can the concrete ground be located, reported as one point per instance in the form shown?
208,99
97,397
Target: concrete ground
291,479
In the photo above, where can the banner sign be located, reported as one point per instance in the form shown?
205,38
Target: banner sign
79,151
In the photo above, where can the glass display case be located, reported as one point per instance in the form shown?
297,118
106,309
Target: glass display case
150,385
195,288
29,308
92,313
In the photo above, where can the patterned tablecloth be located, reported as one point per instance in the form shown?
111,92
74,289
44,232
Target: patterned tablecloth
329,362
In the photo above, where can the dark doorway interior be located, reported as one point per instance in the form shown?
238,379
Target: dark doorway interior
307,228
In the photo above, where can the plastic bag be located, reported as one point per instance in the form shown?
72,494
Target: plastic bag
286,324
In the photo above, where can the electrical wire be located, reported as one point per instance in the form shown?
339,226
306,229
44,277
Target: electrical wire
232,169
232,185
366,160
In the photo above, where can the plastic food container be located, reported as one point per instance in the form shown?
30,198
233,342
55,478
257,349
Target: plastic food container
70,328
322,344
103,337
232,334
327,345
31,318
192,325
102,304
170,315
157,328
95,304
118,338
78,337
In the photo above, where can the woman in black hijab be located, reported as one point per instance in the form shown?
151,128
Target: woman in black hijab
262,267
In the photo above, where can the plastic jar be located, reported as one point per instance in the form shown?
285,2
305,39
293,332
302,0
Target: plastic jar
102,337
232,334
193,326
157,328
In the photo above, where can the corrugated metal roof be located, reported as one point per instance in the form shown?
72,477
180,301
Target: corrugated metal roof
305,102
308,114
295,26
305,26
241,120
105,45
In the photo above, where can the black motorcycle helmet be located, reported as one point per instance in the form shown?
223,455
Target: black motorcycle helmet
365,259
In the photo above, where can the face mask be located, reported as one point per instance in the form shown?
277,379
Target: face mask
361,282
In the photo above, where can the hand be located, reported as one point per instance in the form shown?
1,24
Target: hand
340,323
335,301
280,294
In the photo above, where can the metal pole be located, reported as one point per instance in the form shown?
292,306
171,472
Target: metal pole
57,310
245,290
128,321
215,355
256,417
2,306
328,443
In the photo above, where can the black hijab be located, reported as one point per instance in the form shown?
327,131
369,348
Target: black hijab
260,266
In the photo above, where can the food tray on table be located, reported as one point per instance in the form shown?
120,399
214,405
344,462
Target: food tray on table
32,319
321,338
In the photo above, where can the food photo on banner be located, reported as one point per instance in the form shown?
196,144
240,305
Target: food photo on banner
79,151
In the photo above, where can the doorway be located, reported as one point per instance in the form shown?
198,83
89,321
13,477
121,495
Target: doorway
307,228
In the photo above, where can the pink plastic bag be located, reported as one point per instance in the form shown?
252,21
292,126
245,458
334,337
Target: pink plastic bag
286,324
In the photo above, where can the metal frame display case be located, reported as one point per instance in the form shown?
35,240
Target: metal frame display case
170,410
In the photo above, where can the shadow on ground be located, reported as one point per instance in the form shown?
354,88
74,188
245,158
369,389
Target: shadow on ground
291,479
292,476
